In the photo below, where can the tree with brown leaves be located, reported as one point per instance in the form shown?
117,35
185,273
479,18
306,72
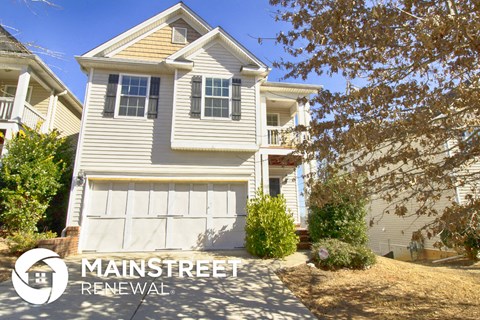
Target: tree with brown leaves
410,129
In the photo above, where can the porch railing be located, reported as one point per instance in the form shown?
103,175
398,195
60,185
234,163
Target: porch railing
31,117
6,106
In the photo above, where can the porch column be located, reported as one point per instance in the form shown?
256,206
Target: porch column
265,174
263,121
21,94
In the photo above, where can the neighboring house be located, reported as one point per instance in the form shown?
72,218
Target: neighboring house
180,127
393,233
31,94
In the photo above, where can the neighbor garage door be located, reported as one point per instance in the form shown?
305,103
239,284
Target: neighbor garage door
143,216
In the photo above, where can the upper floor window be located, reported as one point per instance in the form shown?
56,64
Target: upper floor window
10,91
133,96
179,35
217,97
272,120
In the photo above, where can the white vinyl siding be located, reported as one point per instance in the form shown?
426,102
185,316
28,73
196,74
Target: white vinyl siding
141,147
215,61
288,186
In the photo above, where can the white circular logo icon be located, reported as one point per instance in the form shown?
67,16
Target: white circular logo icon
40,286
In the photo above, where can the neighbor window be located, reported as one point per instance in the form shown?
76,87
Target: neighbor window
274,186
217,93
272,120
133,96
10,92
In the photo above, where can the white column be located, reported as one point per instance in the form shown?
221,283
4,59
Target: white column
265,174
301,114
21,94
263,121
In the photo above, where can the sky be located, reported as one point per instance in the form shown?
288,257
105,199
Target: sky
77,26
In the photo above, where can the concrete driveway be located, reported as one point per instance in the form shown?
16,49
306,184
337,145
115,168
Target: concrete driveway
256,293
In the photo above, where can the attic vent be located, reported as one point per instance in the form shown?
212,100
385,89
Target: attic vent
179,35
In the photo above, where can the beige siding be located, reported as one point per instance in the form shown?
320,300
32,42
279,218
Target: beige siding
288,187
158,45
390,232
66,120
215,61
141,147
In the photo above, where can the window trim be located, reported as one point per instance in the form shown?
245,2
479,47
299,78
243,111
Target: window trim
29,91
119,95
173,35
204,96
280,180
278,119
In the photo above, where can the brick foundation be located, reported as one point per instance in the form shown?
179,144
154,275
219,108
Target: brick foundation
64,246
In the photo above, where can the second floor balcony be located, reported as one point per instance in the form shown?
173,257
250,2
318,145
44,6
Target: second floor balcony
29,116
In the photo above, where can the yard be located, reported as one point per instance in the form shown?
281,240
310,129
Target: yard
389,290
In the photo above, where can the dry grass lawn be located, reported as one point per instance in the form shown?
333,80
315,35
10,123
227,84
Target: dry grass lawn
389,290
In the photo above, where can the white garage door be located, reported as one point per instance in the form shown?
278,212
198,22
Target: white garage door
143,216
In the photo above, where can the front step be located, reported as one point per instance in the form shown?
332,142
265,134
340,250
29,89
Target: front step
305,241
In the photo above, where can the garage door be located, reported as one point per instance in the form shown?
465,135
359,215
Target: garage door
143,216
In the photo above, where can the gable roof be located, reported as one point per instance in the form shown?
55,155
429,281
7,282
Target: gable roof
13,51
243,53
9,43
151,25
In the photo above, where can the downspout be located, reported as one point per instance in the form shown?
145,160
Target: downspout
54,110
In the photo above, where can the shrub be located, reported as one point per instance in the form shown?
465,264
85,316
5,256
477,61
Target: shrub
342,255
30,176
20,242
270,228
342,216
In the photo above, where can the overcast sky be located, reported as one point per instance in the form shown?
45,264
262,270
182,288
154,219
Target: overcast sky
76,27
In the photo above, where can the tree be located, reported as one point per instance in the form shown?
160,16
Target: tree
412,125
30,176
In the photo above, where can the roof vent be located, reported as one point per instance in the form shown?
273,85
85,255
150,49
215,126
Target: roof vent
179,35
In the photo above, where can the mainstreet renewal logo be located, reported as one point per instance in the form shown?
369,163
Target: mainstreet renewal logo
39,286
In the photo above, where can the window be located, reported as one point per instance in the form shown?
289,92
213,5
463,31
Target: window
179,35
272,120
217,97
274,184
10,92
133,96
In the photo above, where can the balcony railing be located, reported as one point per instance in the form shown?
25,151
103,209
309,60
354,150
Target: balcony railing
278,137
30,117
6,106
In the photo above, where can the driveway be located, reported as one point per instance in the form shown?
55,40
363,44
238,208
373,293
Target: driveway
256,293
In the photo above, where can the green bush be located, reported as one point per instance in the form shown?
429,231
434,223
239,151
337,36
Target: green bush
341,255
30,176
20,242
270,228
342,216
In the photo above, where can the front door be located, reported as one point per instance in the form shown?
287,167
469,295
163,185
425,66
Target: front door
274,186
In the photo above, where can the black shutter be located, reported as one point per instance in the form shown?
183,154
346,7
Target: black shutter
236,99
109,108
195,109
153,98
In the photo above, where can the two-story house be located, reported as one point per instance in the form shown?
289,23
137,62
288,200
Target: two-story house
31,94
180,127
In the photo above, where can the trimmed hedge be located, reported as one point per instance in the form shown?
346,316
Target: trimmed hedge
334,254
